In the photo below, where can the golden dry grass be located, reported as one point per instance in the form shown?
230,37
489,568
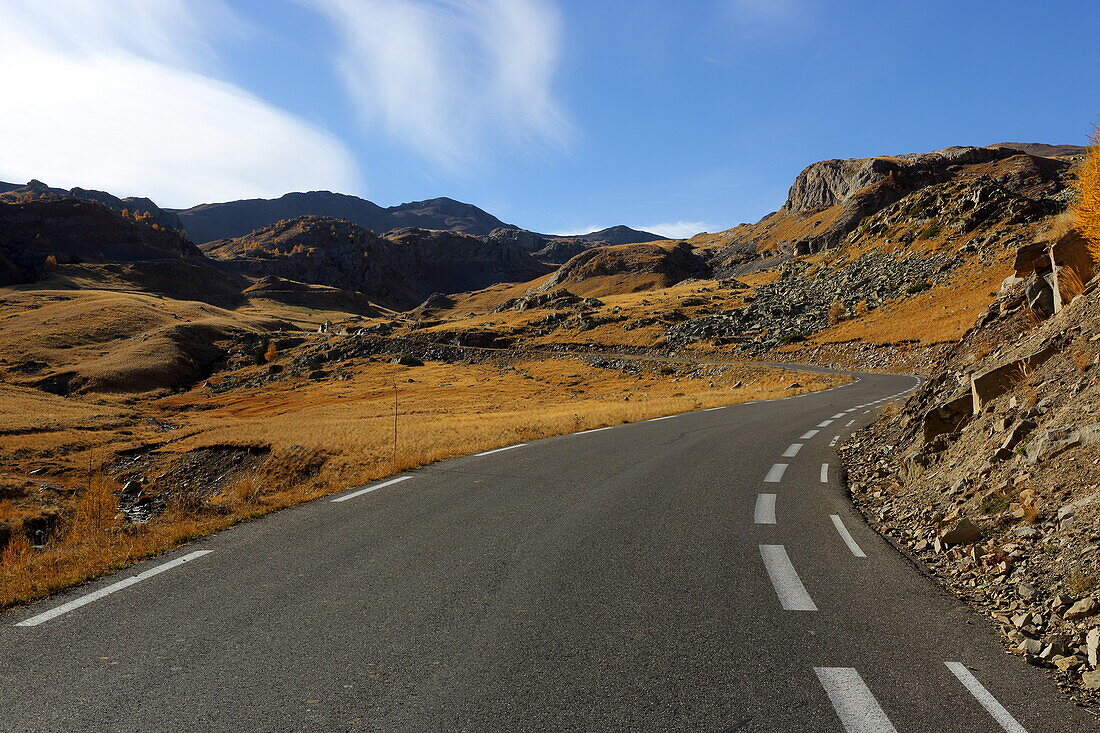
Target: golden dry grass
323,436
940,314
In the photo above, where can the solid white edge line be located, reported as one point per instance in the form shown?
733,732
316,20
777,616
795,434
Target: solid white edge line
788,586
824,473
595,430
712,409
847,536
666,417
809,434
764,512
775,473
857,708
102,592
792,450
369,489
498,450
983,696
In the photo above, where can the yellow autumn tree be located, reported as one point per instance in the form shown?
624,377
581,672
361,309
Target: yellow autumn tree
1087,208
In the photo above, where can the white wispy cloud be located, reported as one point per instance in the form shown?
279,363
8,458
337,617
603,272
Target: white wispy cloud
120,95
679,229
453,79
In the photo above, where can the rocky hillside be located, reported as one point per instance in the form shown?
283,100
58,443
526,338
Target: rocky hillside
831,199
38,233
210,222
989,474
399,270
910,247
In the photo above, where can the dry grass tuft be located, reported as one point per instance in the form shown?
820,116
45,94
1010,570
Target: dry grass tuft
1080,353
1070,284
1023,384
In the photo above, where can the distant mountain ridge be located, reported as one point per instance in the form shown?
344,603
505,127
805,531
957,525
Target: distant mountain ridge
622,235
209,222
133,204
399,270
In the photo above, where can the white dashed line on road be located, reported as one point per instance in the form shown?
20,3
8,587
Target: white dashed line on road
857,708
764,513
849,424
847,536
369,489
499,450
809,434
825,423
824,473
983,696
837,416
788,586
775,473
833,442
114,587
792,450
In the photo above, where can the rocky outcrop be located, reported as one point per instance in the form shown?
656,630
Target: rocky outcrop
656,265
552,300
38,233
560,251
398,271
210,222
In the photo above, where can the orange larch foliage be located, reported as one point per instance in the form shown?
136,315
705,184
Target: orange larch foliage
1087,208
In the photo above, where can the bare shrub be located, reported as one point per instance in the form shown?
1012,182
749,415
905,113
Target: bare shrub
837,312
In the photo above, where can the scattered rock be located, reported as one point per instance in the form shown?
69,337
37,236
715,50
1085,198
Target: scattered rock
964,532
1084,608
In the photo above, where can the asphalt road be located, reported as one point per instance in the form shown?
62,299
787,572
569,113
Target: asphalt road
622,579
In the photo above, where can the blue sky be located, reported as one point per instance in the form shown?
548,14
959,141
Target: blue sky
555,115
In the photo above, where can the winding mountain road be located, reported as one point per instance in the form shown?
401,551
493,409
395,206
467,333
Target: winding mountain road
702,572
